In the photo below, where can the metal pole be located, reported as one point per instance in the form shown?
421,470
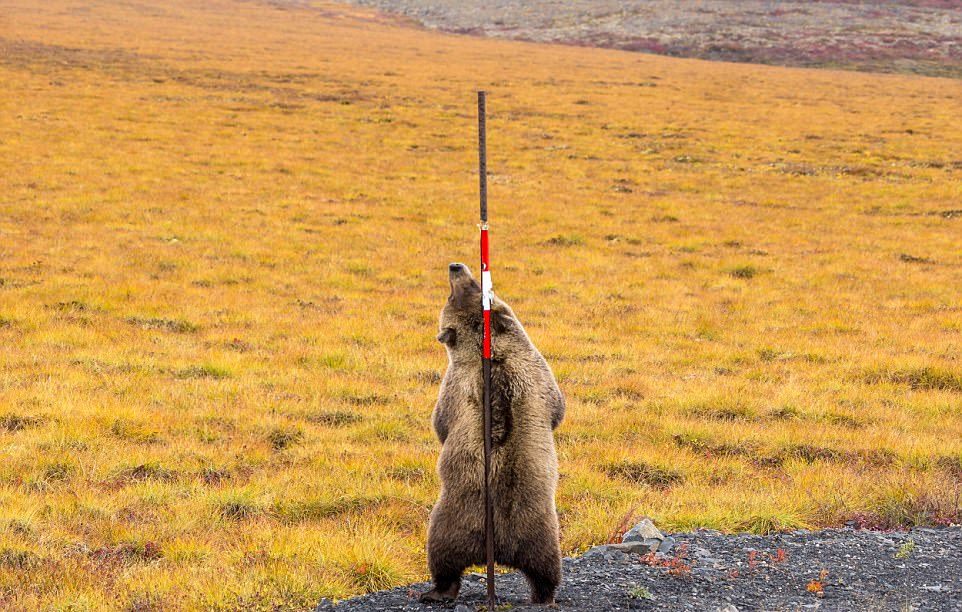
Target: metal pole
486,290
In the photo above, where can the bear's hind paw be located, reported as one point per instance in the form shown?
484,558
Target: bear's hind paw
436,596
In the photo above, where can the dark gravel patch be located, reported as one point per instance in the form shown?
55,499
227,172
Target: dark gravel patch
859,570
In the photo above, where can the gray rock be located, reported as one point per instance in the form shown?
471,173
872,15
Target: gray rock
645,530
727,608
666,545
595,551
462,608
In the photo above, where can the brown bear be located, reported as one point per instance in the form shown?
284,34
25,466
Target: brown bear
526,406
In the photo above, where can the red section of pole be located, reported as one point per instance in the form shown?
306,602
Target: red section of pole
485,272
486,352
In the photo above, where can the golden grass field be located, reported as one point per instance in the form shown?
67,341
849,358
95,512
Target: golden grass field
224,230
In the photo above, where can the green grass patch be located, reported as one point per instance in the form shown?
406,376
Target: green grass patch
206,370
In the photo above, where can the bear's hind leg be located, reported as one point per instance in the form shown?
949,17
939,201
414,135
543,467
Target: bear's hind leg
448,556
542,568
446,574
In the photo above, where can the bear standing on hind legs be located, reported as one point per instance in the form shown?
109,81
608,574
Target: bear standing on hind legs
526,406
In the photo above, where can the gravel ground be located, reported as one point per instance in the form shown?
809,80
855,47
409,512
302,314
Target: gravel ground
921,36
834,569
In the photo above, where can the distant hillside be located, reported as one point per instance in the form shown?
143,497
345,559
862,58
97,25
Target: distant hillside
920,36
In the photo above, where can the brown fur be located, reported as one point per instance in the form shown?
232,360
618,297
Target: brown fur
526,406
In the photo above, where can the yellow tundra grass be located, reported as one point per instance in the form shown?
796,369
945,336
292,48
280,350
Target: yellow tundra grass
224,230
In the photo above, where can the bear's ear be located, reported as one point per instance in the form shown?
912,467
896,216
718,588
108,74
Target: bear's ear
447,336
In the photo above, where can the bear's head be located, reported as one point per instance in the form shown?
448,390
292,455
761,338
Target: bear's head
461,317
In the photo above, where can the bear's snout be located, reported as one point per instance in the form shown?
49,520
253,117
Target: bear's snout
465,291
458,272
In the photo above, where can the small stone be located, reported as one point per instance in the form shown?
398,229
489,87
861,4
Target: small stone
700,552
727,608
462,608
645,530
595,551
666,545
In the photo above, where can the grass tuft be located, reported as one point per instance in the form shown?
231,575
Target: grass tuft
18,559
239,505
133,551
297,511
641,473
565,240
282,438
743,272
811,453
923,378
18,422
142,472
334,418
765,523
723,409
178,326
206,370
407,472
138,432
640,592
